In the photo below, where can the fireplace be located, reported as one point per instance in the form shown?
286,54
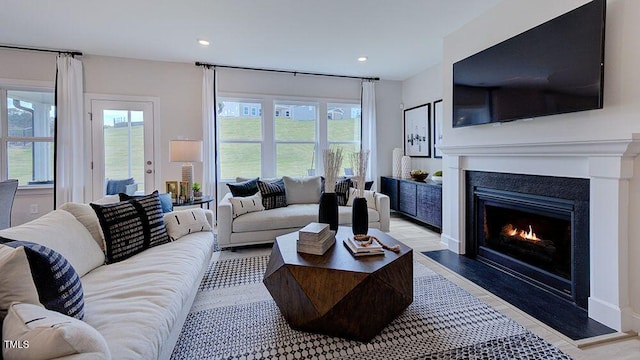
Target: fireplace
534,227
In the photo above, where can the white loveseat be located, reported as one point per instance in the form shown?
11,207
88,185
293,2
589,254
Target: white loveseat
262,227
137,305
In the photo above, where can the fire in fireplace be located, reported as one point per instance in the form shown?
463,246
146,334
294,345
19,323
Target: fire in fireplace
532,232
533,228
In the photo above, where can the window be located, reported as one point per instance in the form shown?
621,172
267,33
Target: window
28,123
295,139
240,136
295,133
344,129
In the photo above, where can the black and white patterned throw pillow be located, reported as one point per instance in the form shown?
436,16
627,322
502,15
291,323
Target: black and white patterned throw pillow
273,194
57,282
131,226
342,191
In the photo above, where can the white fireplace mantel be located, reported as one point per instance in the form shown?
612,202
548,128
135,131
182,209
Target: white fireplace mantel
609,166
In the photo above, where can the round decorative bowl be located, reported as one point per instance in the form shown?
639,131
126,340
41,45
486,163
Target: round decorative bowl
437,179
419,177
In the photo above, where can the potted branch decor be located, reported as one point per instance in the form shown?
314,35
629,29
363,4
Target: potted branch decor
359,214
328,207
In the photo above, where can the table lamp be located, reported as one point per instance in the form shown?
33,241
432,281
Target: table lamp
187,152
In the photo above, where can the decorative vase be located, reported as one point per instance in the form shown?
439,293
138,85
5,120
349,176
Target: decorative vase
328,210
359,216
406,167
397,162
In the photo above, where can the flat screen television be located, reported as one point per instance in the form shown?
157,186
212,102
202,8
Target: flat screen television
556,67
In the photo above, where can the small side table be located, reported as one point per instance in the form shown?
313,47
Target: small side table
204,200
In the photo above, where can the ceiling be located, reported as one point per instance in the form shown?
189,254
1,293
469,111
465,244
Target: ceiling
400,38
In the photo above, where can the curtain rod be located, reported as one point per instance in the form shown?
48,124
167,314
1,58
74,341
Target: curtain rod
69,52
285,71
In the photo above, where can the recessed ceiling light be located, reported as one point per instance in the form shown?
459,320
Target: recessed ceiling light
362,58
203,42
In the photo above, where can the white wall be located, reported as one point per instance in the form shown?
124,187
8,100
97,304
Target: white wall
619,118
423,88
178,88
39,68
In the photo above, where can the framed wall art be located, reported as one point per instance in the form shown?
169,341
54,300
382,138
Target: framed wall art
438,114
417,131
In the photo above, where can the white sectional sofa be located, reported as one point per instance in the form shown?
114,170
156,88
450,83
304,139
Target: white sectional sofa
262,227
137,305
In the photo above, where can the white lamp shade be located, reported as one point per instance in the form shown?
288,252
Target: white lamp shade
185,150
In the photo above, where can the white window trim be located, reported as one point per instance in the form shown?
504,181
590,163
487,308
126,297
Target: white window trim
19,85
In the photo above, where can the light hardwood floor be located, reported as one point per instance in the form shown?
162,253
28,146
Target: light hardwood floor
617,347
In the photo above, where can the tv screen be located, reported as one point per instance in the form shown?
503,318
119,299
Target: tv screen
556,67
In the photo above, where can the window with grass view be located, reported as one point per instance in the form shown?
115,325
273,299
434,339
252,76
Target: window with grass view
344,130
294,135
240,136
28,124
295,138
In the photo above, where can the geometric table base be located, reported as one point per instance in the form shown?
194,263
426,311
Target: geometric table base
337,294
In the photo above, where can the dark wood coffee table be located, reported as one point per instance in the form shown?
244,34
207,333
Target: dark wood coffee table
337,294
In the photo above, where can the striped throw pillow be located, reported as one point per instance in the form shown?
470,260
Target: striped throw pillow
131,226
273,194
342,191
57,282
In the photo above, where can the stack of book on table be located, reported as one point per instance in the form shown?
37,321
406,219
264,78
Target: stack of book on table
356,248
315,238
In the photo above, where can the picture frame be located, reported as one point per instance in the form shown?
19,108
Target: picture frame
438,117
172,187
417,131
184,188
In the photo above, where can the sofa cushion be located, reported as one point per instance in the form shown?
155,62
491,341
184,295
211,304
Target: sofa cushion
131,226
292,216
50,335
60,231
136,303
297,215
344,215
165,200
19,286
302,190
273,194
370,196
181,223
244,188
342,191
243,205
57,282
87,217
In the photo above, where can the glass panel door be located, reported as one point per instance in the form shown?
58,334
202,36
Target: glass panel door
122,144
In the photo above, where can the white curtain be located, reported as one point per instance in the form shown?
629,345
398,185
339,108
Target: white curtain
209,101
69,137
369,141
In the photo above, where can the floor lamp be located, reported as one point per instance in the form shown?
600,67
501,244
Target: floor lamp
187,152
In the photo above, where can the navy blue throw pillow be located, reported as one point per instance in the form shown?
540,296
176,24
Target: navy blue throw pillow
58,284
244,188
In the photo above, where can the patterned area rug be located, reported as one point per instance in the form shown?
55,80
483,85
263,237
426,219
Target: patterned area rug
234,317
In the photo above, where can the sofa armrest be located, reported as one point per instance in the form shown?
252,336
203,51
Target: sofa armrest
225,221
384,210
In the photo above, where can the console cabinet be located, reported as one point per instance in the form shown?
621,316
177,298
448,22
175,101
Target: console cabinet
419,200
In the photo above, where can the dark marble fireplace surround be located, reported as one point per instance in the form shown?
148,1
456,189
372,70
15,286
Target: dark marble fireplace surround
567,196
